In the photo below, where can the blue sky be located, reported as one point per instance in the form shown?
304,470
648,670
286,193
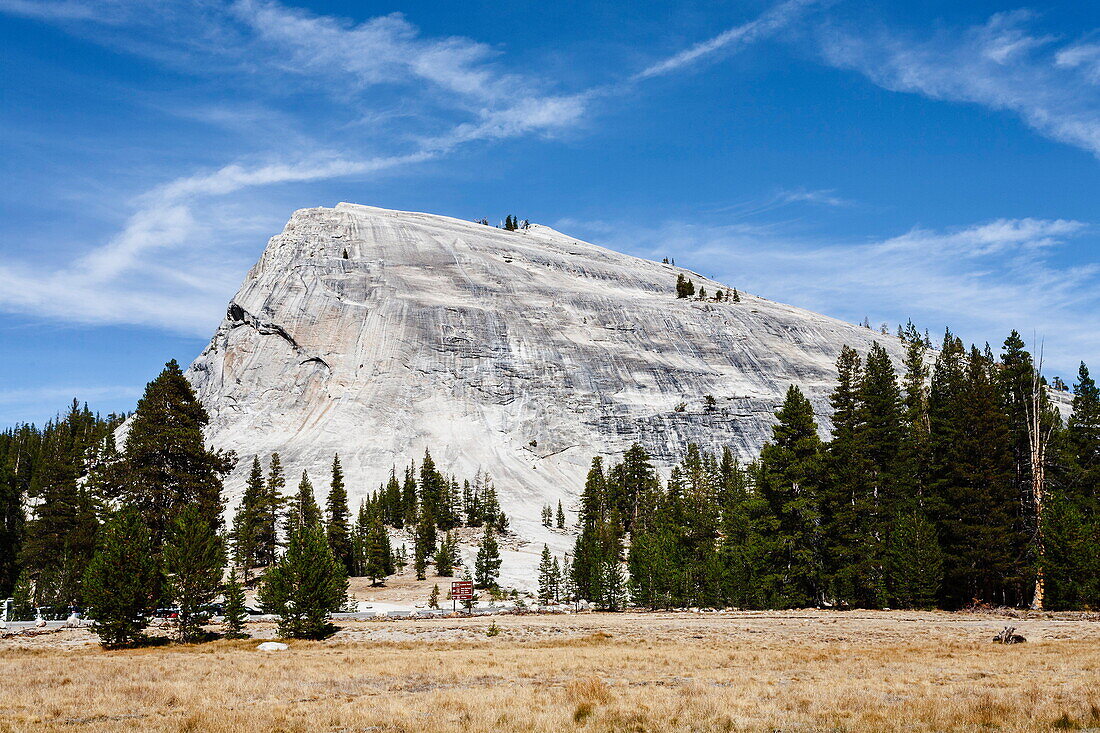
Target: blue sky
938,161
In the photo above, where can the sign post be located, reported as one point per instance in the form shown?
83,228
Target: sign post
461,590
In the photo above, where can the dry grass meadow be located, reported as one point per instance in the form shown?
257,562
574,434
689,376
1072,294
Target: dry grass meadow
791,671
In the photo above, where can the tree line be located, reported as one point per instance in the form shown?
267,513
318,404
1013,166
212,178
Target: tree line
945,487
424,501
125,531
952,483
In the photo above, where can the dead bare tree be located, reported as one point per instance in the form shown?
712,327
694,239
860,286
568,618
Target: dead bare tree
1038,437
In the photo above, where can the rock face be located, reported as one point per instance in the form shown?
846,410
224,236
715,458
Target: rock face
376,334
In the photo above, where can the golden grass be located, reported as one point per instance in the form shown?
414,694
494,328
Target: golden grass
753,672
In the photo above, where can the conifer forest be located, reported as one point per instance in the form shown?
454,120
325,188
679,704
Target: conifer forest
956,479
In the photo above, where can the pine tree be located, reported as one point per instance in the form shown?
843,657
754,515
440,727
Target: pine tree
60,537
360,540
882,434
22,601
615,595
1081,445
193,561
589,550
746,547
12,522
234,613
394,514
121,580
488,502
409,504
686,524
446,557
594,495
248,522
915,561
487,563
568,586
547,516
433,599
736,296
450,515
267,535
848,495
916,427
561,516
302,510
337,526
1071,520
786,476
881,401
167,464
306,585
972,478
546,577
433,488
1070,565
423,547
379,557
1016,380
628,483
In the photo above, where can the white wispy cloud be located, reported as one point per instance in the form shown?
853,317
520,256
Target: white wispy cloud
767,24
62,10
384,49
823,197
153,272
170,266
1084,56
1000,64
983,280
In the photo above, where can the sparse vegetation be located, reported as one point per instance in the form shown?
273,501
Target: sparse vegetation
685,288
821,670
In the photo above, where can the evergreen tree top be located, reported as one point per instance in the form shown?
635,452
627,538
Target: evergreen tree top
169,402
796,424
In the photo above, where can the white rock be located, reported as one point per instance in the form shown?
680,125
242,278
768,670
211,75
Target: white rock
272,646
523,353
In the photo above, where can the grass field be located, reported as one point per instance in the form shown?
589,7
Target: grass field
790,671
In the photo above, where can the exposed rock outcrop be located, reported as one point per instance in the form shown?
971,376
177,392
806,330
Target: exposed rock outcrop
376,333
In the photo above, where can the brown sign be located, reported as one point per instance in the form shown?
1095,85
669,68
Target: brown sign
462,589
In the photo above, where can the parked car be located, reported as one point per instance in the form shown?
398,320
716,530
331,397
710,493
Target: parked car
59,613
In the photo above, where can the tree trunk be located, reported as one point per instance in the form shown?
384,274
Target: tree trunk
1037,444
